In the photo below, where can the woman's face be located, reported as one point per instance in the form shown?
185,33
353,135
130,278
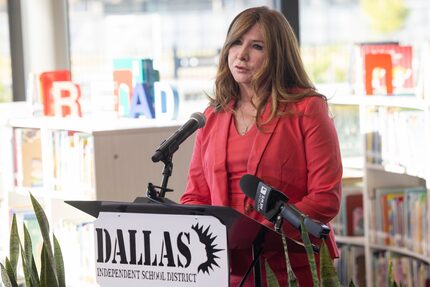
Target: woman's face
246,55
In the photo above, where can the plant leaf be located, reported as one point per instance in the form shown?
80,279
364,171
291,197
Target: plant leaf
27,272
47,276
391,282
310,254
14,245
10,273
328,273
351,284
5,277
292,279
31,265
59,263
272,281
34,274
44,229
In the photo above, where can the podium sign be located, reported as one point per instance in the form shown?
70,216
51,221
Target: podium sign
144,249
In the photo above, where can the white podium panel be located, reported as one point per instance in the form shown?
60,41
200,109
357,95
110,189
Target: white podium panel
160,250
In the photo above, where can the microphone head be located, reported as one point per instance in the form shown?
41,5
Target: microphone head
249,184
268,201
199,118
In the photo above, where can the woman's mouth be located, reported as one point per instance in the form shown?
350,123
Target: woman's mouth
241,69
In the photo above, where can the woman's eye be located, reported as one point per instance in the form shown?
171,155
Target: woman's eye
237,42
258,46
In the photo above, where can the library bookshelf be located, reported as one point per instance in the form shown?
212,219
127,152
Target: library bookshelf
58,159
391,222
112,162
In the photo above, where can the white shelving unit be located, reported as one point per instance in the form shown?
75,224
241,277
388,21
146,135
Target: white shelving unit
122,166
351,240
6,112
122,151
385,171
119,157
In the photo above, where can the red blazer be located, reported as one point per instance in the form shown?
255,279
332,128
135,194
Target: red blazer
297,154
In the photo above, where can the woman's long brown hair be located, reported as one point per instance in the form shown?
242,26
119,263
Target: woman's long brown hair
281,72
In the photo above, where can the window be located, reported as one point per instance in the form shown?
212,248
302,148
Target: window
5,59
183,38
330,28
329,32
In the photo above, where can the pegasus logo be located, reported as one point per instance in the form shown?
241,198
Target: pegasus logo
263,190
261,198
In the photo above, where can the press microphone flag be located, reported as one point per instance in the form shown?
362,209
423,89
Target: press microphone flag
271,202
267,201
170,145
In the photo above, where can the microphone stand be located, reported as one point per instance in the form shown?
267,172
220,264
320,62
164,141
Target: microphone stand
159,192
257,248
167,172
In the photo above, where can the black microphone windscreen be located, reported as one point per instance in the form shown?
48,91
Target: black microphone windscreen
200,118
249,184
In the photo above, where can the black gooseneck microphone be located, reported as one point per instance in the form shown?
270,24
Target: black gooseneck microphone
271,202
170,145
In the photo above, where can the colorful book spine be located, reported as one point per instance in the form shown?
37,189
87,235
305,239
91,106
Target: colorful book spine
385,69
28,160
398,218
406,271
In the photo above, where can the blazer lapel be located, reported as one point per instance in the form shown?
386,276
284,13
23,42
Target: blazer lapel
220,155
261,140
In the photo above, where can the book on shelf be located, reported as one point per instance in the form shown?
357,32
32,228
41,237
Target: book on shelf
406,271
350,221
395,137
71,161
351,265
398,218
27,157
354,214
385,207
392,214
68,161
384,69
409,140
78,237
347,122
416,231
424,73
373,137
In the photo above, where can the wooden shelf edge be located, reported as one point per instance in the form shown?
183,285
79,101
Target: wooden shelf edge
351,240
401,251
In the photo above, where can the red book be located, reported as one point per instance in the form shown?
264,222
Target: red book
354,214
387,69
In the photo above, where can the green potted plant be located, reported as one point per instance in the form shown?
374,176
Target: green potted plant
328,273
329,277
51,272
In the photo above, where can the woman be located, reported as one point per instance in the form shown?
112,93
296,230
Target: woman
266,119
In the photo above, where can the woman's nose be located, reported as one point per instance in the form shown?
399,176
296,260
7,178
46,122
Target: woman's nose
243,54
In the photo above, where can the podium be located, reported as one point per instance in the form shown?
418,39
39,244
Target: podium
147,243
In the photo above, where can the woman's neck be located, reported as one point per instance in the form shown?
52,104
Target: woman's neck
247,97
246,93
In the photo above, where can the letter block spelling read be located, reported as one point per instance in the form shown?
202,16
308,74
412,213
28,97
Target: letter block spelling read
139,92
159,250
